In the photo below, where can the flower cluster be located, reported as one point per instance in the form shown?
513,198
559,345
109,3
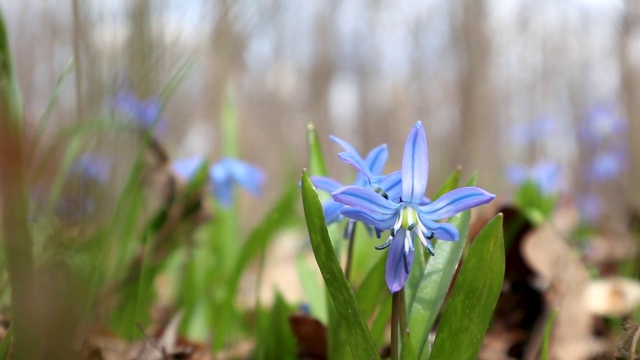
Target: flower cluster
406,213
223,176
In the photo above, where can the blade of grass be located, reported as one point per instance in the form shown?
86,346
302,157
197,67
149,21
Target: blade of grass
474,296
360,339
544,352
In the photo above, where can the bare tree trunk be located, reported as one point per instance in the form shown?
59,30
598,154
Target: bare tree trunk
631,94
478,146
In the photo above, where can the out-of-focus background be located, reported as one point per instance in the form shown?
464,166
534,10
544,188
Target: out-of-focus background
495,82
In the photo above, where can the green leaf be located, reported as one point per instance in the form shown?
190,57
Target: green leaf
373,290
544,352
317,166
360,339
407,352
450,184
10,98
475,293
6,344
262,235
425,305
275,340
313,289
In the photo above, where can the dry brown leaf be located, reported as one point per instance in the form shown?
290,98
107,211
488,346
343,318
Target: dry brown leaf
565,280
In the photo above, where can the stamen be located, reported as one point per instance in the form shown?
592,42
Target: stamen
431,236
430,248
385,245
405,262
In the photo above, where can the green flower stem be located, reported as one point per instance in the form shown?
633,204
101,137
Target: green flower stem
402,310
395,319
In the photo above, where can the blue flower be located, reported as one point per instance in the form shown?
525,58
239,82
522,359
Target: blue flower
186,168
409,215
607,165
601,124
546,175
369,175
229,172
147,113
223,176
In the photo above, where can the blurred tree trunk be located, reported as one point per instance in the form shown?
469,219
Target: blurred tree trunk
323,68
631,93
142,53
478,146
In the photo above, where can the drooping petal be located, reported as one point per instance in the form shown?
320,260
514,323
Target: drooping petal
442,231
345,145
455,201
396,276
376,159
378,221
325,183
357,162
415,165
392,185
365,199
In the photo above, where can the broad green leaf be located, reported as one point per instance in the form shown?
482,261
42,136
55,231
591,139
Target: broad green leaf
373,289
450,184
544,352
407,352
425,305
474,296
360,339
317,166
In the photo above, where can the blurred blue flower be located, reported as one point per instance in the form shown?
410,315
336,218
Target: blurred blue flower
606,165
147,113
229,172
186,168
406,217
223,176
546,175
601,123
369,175
540,128
590,206
91,167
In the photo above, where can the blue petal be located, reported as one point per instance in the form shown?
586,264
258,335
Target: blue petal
325,183
357,162
228,172
345,145
443,231
396,275
185,168
415,165
332,211
376,159
455,202
392,185
365,199
378,221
